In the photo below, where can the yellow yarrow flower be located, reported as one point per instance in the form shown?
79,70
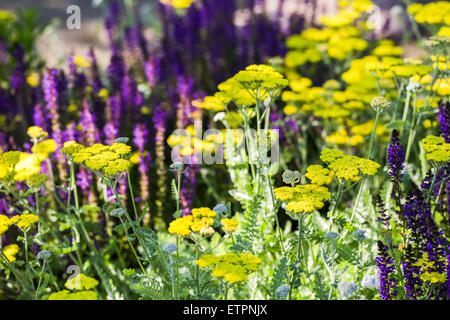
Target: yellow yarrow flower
81,282
66,295
36,180
178,4
319,175
24,221
200,222
5,223
33,79
232,267
10,251
27,166
82,61
229,225
303,198
436,148
209,103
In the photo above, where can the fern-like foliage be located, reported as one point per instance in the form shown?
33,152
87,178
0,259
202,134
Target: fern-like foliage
250,223
280,277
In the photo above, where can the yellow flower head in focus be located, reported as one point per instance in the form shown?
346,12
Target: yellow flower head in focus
24,221
319,175
232,267
200,221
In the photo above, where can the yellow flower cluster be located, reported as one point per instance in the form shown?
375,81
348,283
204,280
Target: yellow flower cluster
342,137
229,225
365,129
24,221
387,48
338,41
432,13
33,79
200,221
209,103
331,155
441,86
36,180
348,167
178,4
108,160
5,223
37,133
358,132
44,148
22,165
10,251
232,267
67,295
82,61
319,175
429,267
261,79
256,82
303,198
436,148
81,282
188,143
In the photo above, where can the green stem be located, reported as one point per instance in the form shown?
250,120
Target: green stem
406,107
197,273
132,195
132,247
39,282
336,202
355,206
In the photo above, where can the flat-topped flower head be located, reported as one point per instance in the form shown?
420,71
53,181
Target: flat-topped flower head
233,267
303,198
79,295
36,180
199,222
25,221
81,282
436,148
37,133
107,160
209,103
319,175
10,251
229,225
350,167
71,147
263,77
5,223
330,155
178,4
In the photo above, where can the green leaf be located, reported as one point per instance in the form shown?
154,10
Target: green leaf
397,124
